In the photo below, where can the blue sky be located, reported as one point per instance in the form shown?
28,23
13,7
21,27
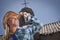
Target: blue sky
47,11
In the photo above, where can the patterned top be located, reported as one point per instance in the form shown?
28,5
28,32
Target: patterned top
26,32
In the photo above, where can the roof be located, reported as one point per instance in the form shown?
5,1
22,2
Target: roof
50,28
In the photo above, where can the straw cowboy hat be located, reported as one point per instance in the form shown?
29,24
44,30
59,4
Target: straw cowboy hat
5,20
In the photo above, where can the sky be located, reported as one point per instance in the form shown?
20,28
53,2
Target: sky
47,11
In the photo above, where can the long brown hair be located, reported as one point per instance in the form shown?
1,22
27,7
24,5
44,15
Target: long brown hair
5,25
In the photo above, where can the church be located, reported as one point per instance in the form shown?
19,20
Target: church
50,31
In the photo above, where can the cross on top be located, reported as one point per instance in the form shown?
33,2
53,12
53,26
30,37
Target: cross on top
25,3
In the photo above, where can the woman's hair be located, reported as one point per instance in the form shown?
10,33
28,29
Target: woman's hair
5,24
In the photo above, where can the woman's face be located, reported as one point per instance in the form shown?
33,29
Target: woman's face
13,23
13,20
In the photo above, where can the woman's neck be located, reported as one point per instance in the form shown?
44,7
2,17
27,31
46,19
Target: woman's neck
13,29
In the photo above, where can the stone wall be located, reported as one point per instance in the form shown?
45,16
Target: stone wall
1,37
54,36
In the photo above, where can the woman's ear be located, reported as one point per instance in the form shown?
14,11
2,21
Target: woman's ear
8,22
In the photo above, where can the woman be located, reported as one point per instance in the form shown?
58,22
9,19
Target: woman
10,23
